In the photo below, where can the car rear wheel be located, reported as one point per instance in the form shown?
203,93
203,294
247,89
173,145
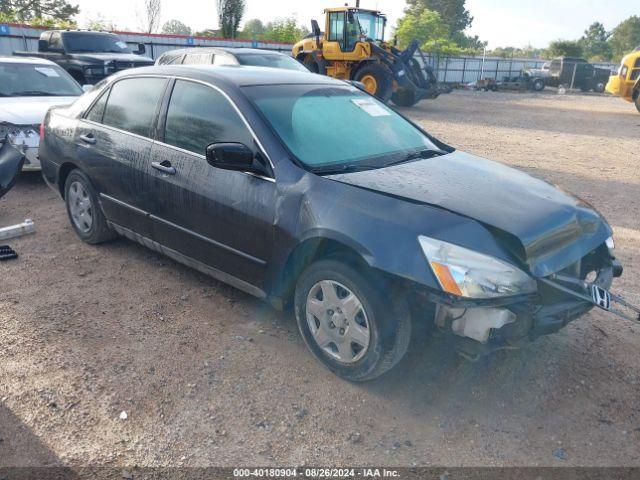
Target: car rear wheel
600,87
84,210
637,102
349,323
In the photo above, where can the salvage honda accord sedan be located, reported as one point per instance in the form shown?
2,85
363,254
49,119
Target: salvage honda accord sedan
305,191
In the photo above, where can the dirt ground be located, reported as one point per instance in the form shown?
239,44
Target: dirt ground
209,376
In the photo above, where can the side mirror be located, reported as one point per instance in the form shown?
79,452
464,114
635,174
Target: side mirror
142,49
87,88
43,45
234,156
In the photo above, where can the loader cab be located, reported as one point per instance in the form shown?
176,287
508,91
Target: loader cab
350,30
622,84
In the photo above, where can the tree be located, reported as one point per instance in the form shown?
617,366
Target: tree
151,15
429,30
230,14
595,42
625,37
452,12
284,30
514,52
565,48
176,27
253,29
29,10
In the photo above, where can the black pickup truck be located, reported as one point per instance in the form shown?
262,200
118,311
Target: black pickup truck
88,56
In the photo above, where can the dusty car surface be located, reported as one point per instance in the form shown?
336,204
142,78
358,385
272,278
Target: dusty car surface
230,56
305,191
28,88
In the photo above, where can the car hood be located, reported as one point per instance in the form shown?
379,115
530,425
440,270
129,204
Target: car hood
540,224
29,110
108,56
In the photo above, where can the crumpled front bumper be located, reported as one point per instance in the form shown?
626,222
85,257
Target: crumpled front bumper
482,326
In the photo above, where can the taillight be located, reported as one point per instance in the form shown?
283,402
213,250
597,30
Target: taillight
41,131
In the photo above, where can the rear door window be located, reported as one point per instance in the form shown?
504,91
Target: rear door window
55,43
197,59
132,104
199,115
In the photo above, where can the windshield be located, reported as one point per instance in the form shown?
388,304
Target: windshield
275,61
32,80
335,128
371,25
79,42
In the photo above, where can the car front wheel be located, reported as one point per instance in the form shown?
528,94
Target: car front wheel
349,323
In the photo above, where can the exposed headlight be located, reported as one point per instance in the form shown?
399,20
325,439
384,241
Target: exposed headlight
467,273
19,134
610,244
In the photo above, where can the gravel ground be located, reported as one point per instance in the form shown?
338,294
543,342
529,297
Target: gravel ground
209,376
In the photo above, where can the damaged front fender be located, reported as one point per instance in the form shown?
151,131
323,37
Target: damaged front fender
11,162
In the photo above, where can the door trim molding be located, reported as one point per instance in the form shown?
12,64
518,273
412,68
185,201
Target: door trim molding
215,243
190,262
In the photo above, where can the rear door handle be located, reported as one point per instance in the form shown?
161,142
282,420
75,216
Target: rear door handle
88,138
164,167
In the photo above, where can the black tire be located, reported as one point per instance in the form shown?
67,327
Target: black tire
538,85
99,231
637,102
405,98
383,78
389,321
314,65
600,87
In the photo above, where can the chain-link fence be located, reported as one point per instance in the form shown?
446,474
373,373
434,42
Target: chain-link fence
471,69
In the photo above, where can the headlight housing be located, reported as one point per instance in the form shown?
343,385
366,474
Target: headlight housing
610,244
467,273
19,134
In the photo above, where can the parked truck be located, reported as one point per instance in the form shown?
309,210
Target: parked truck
88,56
577,73
566,71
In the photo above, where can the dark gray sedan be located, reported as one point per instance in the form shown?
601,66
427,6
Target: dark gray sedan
305,191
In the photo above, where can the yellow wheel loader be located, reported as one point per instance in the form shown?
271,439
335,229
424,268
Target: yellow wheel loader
626,83
352,47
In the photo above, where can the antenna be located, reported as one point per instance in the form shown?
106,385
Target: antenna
357,3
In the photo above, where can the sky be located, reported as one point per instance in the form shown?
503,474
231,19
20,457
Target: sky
515,23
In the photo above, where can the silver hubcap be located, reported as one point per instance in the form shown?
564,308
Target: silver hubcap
80,207
337,321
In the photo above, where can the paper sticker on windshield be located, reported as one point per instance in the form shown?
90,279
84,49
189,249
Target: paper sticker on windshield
121,44
48,72
371,107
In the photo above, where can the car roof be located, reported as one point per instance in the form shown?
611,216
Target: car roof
237,75
25,60
97,32
231,50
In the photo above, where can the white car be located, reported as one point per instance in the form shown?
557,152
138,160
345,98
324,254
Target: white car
28,88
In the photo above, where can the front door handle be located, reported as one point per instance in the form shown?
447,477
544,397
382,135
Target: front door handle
164,167
88,138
